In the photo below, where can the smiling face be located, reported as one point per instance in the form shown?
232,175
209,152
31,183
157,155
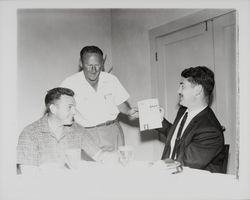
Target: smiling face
187,93
64,109
92,65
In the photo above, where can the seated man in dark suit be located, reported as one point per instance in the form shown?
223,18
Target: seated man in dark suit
195,138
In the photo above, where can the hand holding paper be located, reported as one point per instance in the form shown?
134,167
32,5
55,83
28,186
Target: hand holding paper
149,114
133,113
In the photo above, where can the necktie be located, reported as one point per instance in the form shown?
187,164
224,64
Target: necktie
178,137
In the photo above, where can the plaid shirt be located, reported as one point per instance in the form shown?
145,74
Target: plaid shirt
38,145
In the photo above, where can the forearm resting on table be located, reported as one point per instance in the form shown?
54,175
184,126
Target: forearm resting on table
106,157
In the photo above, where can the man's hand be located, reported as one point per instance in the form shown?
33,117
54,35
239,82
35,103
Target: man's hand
133,113
162,112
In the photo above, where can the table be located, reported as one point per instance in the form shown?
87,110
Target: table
111,181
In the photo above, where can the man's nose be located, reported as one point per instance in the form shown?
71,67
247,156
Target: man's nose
73,110
93,69
179,90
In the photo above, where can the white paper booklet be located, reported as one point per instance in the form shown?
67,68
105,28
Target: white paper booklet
149,114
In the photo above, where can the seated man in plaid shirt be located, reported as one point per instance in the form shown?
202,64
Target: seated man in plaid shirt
47,140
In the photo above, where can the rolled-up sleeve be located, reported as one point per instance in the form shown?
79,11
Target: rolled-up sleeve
120,93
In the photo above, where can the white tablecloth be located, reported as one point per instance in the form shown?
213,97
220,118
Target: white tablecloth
139,181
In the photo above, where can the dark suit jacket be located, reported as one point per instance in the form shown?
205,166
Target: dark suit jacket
201,141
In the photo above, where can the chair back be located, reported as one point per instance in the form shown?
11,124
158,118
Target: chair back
225,152
221,160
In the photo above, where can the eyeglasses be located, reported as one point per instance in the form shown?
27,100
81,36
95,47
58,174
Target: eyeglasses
90,67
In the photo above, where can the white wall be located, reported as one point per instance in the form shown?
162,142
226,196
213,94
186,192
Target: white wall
131,61
49,43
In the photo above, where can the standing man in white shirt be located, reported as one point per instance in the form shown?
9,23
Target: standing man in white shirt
100,98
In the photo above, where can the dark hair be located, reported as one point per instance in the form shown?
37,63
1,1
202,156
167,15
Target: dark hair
55,94
200,75
90,49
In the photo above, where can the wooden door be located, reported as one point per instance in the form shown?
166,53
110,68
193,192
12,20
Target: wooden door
186,48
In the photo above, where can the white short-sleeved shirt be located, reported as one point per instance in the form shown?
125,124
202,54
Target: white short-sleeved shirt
96,106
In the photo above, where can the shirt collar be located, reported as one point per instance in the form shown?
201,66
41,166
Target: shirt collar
44,125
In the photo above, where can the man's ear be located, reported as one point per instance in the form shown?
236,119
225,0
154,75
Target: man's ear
52,108
104,59
198,90
80,64
103,62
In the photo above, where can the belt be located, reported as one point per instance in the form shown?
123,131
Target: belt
107,123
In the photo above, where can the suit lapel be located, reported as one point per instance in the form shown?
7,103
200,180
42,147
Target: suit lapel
166,150
193,121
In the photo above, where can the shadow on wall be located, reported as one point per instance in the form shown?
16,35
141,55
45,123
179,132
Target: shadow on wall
145,136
